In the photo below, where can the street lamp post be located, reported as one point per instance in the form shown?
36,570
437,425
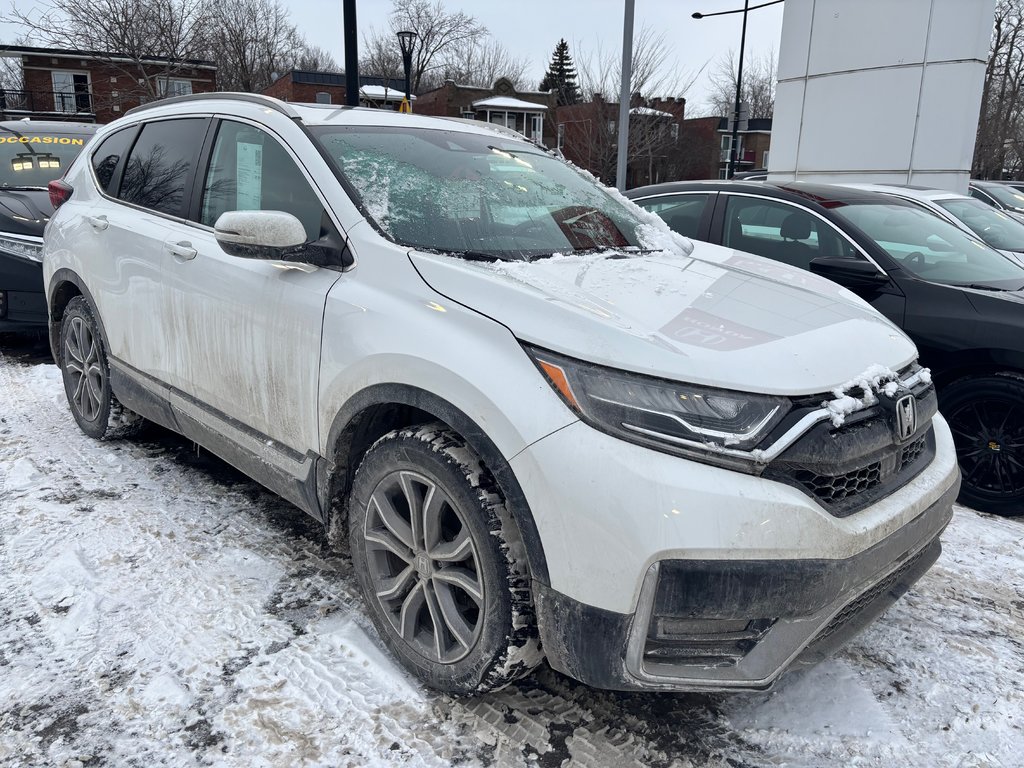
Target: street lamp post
406,40
739,75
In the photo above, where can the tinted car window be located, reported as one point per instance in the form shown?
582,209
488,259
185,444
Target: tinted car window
994,227
251,171
1008,196
779,231
108,155
161,163
33,158
681,212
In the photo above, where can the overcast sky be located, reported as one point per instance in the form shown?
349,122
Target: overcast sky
531,28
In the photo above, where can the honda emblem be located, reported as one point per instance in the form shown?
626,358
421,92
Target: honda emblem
906,417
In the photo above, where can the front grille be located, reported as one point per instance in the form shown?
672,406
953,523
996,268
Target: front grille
911,453
832,489
865,599
849,467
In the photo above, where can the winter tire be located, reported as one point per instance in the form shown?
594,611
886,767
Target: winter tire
440,562
986,416
86,373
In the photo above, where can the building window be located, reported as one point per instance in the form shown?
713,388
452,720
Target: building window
469,115
764,159
174,86
323,97
726,142
71,92
675,131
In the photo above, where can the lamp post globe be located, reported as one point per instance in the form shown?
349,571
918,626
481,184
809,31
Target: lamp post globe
406,41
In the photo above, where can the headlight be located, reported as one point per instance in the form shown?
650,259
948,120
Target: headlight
25,249
714,425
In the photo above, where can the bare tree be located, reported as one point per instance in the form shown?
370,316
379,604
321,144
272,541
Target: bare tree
250,41
654,70
438,33
998,145
313,58
136,34
479,62
758,92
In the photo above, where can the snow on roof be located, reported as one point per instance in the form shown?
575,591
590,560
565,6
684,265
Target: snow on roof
380,92
507,102
649,111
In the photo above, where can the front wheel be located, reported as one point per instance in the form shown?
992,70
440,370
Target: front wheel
986,416
439,562
86,374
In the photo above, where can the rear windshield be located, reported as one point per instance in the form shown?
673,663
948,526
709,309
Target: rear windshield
36,159
477,195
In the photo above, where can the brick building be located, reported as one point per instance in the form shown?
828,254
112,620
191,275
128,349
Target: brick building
329,88
588,136
531,113
754,141
91,86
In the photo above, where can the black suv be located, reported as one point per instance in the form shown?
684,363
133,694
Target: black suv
959,300
32,154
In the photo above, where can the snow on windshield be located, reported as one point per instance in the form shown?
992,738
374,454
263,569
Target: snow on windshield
480,195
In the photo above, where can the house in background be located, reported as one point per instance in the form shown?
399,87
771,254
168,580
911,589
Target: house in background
307,87
587,134
754,139
531,113
94,86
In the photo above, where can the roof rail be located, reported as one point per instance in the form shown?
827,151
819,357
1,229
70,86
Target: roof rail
252,98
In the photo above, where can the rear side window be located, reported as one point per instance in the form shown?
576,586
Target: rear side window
681,212
108,155
161,165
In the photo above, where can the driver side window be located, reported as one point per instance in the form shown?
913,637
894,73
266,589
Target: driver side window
250,171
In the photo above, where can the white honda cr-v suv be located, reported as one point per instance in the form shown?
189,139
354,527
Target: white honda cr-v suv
544,424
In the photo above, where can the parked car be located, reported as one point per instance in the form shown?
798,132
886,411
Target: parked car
758,174
1000,230
1001,196
31,155
957,298
544,423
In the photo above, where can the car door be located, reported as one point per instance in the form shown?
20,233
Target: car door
245,333
793,235
144,192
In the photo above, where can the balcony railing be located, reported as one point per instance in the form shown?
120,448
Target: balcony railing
49,102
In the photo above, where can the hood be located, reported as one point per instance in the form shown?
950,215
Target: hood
24,212
716,317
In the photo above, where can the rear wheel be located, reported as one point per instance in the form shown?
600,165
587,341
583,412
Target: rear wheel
986,416
439,562
86,373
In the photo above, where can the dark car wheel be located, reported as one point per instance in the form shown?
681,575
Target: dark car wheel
83,363
986,416
439,563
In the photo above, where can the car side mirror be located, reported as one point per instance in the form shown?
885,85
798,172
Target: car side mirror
260,234
851,273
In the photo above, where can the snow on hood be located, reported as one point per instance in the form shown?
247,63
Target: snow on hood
706,314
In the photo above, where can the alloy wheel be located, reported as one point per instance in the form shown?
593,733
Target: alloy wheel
424,566
82,363
989,436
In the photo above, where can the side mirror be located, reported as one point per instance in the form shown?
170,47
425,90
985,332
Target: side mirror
851,273
259,234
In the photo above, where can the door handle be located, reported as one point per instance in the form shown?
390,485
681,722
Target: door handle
182,251
99,223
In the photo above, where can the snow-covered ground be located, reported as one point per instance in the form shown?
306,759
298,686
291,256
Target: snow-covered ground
157,608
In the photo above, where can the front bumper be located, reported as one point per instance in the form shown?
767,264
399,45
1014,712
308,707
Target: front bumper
22,303
720,625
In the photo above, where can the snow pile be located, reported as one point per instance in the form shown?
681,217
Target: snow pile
877,379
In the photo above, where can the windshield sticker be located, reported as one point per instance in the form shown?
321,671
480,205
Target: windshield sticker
42,140
249,166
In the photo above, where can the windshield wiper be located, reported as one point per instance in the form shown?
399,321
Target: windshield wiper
19,188
983,287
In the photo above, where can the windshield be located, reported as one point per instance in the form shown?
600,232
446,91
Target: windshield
933,249
993,226
477,195
36,159
1008,196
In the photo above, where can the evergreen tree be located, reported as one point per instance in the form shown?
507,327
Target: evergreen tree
561,76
